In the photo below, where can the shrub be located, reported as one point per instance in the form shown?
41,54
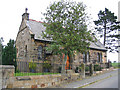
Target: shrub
87,68
32,65
47,65
97,67
17,71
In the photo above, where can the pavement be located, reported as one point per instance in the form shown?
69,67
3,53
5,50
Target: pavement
88,80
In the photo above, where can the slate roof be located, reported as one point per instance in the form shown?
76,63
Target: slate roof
97,45
36,27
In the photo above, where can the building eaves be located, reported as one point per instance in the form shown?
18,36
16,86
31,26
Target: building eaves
37,27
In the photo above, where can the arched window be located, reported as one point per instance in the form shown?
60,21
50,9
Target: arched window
84,57
40,52
98,57
88,57
101,57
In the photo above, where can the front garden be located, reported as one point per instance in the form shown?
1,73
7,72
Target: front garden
29,74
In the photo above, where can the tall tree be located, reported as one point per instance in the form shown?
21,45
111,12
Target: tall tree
1,48
107,27
66,25
115,41
9,54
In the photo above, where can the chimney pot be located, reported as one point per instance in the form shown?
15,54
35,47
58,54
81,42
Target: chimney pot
25,15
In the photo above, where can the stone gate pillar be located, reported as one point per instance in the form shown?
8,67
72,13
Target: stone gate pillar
91,69
7,72
83,70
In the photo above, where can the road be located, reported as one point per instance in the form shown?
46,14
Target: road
108,82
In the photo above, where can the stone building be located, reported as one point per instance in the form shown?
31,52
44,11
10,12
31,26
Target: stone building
30,47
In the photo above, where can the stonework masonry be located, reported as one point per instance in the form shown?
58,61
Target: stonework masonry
28,40
37,81
7,72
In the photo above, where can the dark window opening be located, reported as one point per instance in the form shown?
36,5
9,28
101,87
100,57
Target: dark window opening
86,57
26,51
99,57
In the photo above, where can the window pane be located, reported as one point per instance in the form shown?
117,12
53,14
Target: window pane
40,52
88,57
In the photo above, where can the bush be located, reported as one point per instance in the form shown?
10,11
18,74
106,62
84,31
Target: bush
32,65
47,65
17,71
97,67
87,68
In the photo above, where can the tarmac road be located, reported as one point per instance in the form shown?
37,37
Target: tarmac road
106,80
109,82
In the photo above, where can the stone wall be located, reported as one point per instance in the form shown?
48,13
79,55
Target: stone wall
92,56
42,81
7,73
37,81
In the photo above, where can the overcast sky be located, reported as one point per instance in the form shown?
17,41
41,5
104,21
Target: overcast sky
11,11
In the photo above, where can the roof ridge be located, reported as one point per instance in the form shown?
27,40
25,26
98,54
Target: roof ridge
35,20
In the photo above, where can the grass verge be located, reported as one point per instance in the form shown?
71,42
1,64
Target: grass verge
116,65
29,74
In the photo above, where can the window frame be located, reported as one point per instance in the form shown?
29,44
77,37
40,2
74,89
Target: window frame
40,52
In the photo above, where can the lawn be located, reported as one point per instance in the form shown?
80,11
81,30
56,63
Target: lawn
30,74
116,65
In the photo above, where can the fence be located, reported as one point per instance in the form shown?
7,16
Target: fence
39,67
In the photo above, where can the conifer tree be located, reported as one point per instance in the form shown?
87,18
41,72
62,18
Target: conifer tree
9,54
107,28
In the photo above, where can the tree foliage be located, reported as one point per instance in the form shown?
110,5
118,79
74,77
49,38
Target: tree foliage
9,54
107,28
66,26
1,48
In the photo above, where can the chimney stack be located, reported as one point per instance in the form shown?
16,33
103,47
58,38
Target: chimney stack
25,15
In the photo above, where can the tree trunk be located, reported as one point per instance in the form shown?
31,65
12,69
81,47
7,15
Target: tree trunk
91,69
105,33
